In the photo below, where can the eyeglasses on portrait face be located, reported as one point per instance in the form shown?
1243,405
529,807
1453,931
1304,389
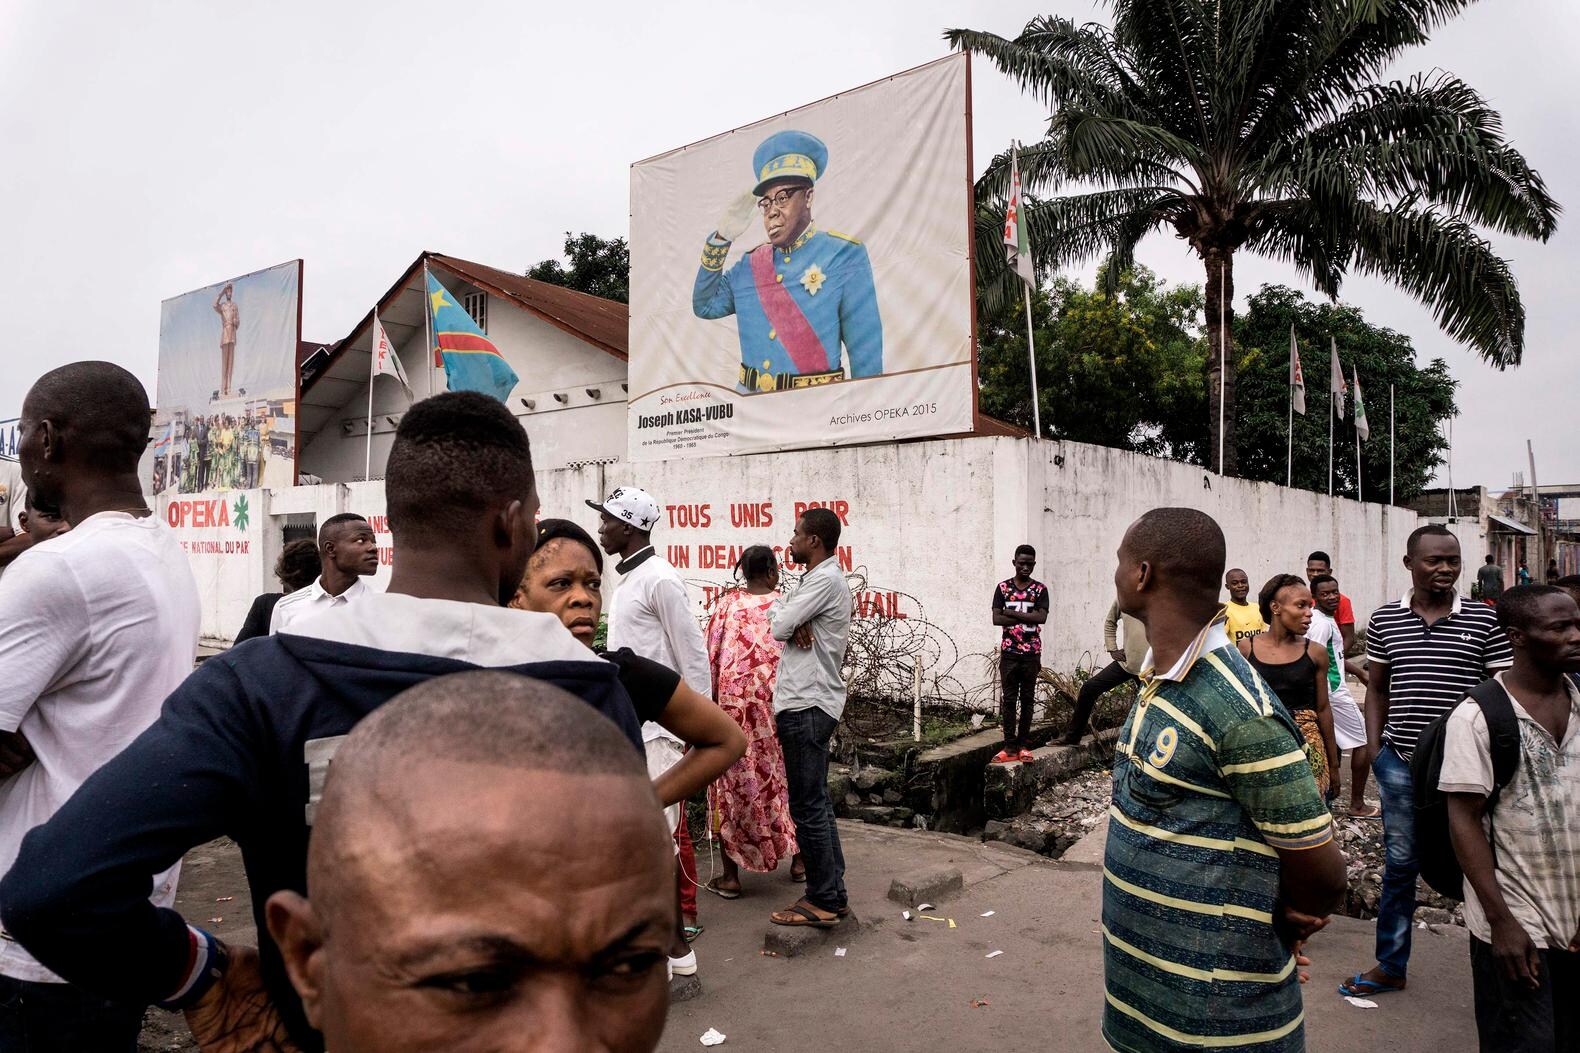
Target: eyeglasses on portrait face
779,199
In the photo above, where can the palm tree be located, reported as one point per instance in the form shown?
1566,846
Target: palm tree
1261,124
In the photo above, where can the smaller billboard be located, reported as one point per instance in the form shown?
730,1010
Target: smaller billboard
225,417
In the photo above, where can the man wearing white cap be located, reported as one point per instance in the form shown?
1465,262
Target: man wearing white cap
651,614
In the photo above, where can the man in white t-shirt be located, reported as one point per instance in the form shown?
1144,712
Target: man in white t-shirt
347,553
100,625
652,614
1349,725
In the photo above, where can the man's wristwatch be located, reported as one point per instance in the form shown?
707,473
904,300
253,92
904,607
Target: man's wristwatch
207,960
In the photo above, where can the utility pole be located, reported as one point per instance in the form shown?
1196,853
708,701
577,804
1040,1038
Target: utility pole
1536,501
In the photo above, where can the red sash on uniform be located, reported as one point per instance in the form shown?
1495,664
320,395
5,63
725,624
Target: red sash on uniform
790,326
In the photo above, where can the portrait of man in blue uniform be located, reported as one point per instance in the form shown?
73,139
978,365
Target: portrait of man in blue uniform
804,295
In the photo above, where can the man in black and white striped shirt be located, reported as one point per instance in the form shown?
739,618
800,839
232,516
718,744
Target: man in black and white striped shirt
1427,650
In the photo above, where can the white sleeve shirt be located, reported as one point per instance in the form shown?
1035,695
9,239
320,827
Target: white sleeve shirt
651,613
295,606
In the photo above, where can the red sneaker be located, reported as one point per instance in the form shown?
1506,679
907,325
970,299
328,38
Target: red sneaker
1005,757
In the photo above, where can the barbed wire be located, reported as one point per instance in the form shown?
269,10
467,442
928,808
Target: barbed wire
888,642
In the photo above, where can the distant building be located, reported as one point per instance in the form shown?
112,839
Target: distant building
568,348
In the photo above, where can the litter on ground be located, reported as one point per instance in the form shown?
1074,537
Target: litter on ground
1360,1003
712,1037
992,954
987,914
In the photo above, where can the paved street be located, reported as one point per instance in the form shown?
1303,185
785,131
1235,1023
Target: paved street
910,985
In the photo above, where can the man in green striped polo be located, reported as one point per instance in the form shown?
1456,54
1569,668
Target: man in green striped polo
1220,851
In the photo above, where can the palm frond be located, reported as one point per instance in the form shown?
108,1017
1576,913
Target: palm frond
1298,233
1435,139
1445,264
1057,62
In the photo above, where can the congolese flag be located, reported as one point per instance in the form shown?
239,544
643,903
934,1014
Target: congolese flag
471,361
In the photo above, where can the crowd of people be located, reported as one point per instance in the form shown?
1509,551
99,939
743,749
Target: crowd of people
220,451
460,800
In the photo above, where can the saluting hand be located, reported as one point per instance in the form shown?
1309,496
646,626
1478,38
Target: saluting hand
737,217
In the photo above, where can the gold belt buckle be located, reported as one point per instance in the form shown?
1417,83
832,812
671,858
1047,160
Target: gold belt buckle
811,380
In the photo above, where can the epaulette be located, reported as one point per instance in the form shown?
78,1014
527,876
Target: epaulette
844,237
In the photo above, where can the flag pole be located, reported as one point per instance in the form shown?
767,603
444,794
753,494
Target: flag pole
1289,460
367,470
1223,357
1358,495
1390,444
1331,396
427,330
1031,351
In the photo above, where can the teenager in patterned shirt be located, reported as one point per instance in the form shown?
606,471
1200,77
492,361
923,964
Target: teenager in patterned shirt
1020,606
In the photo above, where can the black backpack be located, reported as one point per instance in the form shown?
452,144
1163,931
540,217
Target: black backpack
1434,848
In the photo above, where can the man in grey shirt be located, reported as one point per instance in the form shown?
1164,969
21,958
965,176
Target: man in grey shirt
1490,578
808,702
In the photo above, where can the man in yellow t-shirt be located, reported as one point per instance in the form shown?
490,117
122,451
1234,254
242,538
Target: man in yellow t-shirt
1245,619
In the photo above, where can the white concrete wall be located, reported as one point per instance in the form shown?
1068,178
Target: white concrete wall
1091,498
932,526
549,362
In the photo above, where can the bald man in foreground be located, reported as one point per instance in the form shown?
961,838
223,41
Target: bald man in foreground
1220,856
490,871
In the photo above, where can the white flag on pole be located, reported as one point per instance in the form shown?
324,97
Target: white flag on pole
1337,385
1297,376
385,361
1362,428
1017,240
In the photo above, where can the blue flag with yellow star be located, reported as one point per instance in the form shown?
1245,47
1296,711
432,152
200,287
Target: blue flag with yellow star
471,361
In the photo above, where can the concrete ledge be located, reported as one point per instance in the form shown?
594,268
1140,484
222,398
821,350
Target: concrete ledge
684,988
1008,790
792,941
926,885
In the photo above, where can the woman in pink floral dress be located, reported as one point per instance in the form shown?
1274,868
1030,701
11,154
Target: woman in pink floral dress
751,799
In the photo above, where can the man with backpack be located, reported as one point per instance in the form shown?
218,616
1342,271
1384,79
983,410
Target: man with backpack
1521,860
1426,651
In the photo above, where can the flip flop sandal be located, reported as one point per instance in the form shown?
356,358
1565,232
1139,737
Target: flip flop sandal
722,893
691,932
1369,815
799,879
1357,986
808,918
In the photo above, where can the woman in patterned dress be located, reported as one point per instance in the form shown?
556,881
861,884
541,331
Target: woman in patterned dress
751,799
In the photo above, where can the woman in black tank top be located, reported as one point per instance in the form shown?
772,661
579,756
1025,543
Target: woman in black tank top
1297,671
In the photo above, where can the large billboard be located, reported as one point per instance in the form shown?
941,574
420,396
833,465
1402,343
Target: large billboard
806,280
226,406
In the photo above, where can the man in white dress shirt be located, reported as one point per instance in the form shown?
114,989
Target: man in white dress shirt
347,553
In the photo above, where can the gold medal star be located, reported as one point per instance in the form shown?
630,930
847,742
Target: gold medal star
812,279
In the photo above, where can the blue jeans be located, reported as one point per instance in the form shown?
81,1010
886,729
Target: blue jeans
1396,911
803,736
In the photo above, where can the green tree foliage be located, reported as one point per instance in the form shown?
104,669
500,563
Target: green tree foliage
1423,398
597,266
1123,370
1243,124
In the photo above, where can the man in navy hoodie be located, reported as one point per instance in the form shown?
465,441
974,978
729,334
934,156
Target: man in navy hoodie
243,745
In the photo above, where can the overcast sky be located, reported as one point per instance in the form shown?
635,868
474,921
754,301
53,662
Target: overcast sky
155,148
